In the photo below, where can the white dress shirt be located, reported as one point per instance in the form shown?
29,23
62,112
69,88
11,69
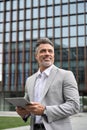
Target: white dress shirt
40,86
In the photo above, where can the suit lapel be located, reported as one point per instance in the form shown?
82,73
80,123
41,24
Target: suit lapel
49,81
31,88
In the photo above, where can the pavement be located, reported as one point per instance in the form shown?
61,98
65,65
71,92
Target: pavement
79,121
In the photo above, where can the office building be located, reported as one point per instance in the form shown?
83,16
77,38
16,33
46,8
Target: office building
22,22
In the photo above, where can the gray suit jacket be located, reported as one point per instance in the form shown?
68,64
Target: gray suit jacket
60,97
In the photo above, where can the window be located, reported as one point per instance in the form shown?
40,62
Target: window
57,21
35,24
72,8
65,32
73,20
42,23
21,4
57,32
28,3
7,16
50,11
49,33
21,25
81,7
35,34
81,30
28,26
72,31
81,41
35,13
65,21
14,15
81,19
14,4
1,6
7,5
7,27
49,22
65,9
57,11
28,14
14,36
20,36
42,12
21,14
35,3
14,26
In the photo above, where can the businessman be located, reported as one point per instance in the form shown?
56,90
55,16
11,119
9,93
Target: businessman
53,93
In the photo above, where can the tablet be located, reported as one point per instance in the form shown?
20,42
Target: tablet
18,101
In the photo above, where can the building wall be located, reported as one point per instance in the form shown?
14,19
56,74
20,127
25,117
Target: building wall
22,22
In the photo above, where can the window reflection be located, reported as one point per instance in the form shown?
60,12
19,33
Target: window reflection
42,33
80,30
57,10
14,4
1,6
49,22
21,4
35,13
42,12
35,3
81,41
50,11
7,36
35,33
7,16
80,19
35,24
7,5
7,27
21,36
64,21
57,32
65,31
73,20
80,7
13,36
21,14
73,42
14,15
28,14
28,25
72,31
14,26
21,25
42,3
42,23
1,17
28,3
49,33
57,21
65,9
72,8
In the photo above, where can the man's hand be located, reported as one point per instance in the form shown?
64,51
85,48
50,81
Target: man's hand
35,108
21,111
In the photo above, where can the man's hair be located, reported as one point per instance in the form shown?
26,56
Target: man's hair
44,41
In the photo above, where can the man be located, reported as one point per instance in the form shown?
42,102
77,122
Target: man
52,91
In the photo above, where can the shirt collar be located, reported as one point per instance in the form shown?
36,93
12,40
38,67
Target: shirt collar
46,72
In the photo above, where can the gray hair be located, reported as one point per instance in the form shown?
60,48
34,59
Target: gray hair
43,41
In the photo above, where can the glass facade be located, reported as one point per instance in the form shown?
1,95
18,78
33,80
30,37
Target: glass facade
22,22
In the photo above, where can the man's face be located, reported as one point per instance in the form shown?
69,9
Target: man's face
45,56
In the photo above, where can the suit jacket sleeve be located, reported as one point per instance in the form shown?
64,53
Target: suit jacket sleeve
70,105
